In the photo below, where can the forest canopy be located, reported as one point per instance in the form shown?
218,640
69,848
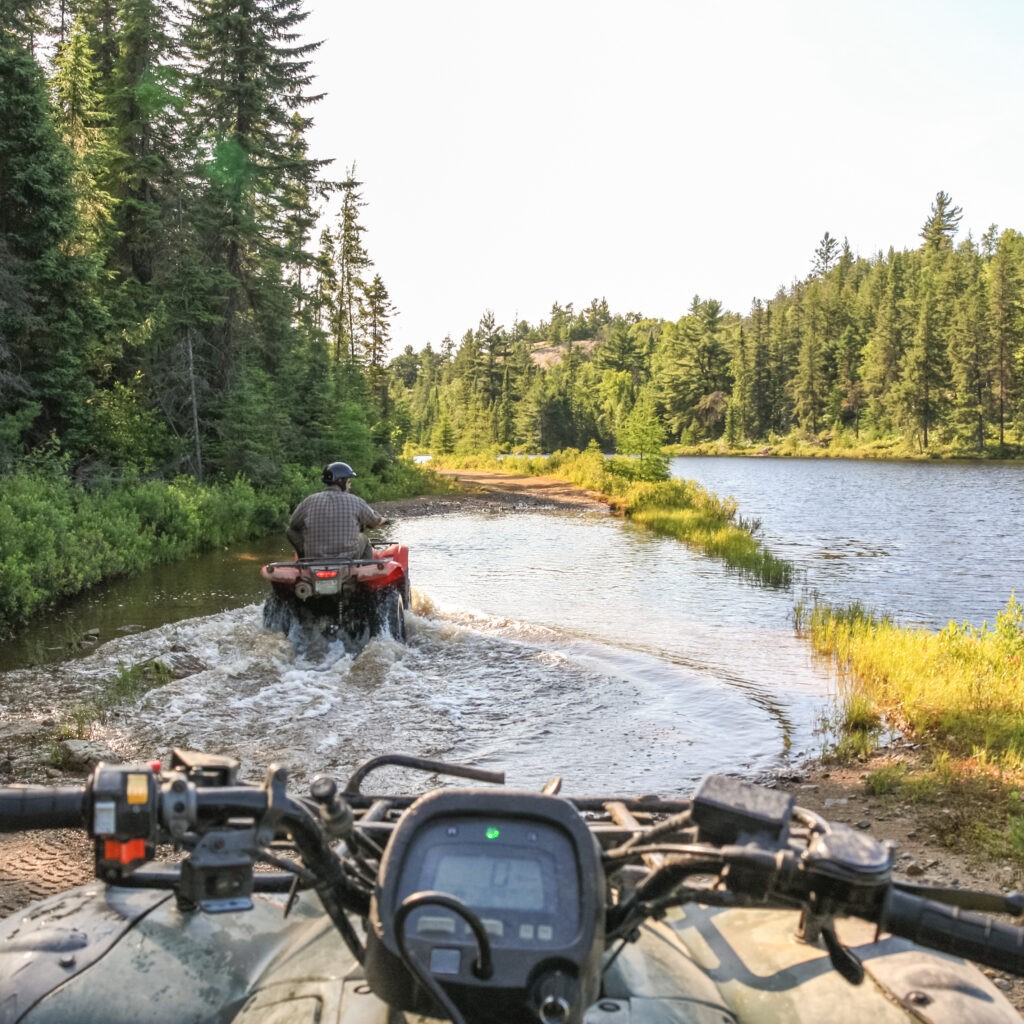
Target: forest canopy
923,349
184,289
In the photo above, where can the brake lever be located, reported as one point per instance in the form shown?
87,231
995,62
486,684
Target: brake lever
845,961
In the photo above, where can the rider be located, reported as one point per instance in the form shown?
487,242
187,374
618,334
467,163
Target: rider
330,522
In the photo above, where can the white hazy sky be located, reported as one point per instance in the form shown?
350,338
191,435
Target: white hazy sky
517,153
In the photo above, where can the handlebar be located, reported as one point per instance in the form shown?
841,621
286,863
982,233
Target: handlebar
26,807
756,846
953,930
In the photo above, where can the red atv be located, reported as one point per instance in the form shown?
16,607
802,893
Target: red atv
354,598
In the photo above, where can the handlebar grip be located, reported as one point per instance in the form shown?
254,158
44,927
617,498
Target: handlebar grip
42,807
952,930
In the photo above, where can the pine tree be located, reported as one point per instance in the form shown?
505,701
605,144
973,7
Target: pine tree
848,392
885,346
375,337
492,348
147,106
923,372
85,124
643,435
351,262
49,322
23,23
809,382
941,226
1006,317
693,375
740,414
971,359
825,255
248,79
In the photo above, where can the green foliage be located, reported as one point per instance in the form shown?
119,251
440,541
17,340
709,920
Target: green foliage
129,684
906,353
58,538
675,508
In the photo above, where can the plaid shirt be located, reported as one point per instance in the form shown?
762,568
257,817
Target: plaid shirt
330,522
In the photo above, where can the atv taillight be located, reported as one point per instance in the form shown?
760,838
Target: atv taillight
325,574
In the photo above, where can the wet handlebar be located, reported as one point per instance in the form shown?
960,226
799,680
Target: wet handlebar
25,807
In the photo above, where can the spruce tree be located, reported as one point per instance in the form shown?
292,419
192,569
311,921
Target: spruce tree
971,359
923,375
942,223
1005,275
351,262
248,78
49,319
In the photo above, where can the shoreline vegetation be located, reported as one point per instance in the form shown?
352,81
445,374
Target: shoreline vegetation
845,446
58,537
954,697
957,694
639,490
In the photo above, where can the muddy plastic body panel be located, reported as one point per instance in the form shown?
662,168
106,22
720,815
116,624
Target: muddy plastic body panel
98,955
388,567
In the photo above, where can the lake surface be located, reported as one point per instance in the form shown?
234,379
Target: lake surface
925,542
543,642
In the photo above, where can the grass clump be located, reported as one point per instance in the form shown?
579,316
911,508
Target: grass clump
126,686
960,689
959,692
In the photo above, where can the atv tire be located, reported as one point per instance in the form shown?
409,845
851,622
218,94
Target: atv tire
391,614
278,614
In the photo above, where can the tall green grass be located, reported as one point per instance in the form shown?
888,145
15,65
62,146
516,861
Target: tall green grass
959,692
681,509
961,689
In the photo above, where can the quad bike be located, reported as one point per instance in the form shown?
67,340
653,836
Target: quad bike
220,900
352,598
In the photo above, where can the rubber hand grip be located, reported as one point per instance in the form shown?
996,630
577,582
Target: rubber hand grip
961,932
23,807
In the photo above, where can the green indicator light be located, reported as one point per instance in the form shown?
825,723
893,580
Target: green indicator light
492,833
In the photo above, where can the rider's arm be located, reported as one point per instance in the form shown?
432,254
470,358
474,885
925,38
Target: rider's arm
368,518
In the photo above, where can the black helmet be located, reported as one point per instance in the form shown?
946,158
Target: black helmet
338,472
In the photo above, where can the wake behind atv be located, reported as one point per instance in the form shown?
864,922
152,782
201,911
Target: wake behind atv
350,599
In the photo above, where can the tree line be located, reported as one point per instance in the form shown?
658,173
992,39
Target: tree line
924,347
184,289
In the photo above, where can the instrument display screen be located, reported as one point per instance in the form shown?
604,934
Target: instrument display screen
521,875
504,882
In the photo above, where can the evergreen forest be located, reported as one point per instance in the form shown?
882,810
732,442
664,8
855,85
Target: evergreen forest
185,290
191,321
904,353
176,297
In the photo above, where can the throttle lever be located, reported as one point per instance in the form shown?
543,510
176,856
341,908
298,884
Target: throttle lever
1011,903
843,960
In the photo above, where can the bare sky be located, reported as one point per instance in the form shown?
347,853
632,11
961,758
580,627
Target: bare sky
517,153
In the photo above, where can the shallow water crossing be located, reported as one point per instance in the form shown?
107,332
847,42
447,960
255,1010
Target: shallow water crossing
540,643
